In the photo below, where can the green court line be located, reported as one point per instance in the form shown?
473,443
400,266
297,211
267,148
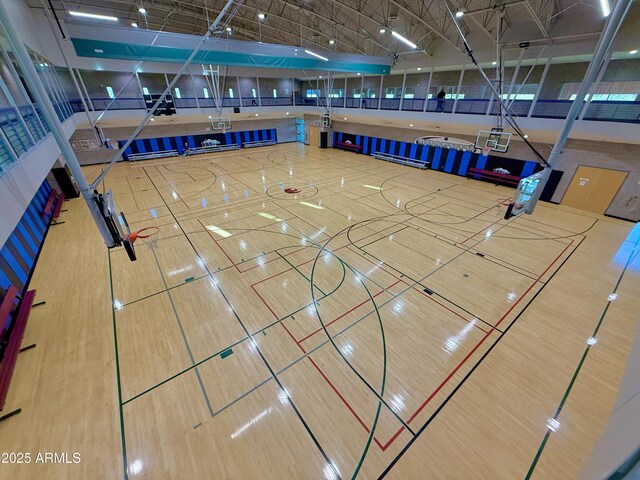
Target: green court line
579,367
117,359
184,335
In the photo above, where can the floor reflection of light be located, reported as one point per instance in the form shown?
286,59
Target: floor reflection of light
204,202
372,186
242,244
452,343
225,197
318,233
218,230
511,296
269,216
246,193
312,205
174,195
612,297
136,467
488,234
553,424
398,307
592,341
342,181
251,423
283,227
347,349
397,402
284,395
153,213
331,472
398,203
117,305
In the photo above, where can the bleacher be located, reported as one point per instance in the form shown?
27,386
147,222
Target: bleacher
260,143
211,149
149,155
14,313
401,160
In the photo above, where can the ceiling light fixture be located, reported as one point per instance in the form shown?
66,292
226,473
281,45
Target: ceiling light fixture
633,52
359,74
331,42
229,29
383,30
604,6
134,25
419,68
401,38
459,14
94,16
411,124
313,54
262,16
142,10
494,63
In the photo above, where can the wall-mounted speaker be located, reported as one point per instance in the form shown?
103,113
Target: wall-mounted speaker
236,109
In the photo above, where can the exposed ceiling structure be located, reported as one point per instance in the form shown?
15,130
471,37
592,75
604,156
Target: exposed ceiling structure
356,26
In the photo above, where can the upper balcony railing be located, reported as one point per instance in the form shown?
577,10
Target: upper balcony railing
604,111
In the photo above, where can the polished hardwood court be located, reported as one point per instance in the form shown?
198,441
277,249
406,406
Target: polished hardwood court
378,321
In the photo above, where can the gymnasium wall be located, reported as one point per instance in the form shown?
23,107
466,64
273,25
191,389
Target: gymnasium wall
441,159
181,143
615,156
21,249
285,131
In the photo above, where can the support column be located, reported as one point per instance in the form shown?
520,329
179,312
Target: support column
539,89
455,101
426,96
593,70
36,87
404,82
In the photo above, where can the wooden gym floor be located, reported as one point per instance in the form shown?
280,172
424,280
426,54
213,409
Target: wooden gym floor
382,321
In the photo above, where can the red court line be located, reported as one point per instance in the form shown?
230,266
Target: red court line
348,312
453,372
333,387
417,289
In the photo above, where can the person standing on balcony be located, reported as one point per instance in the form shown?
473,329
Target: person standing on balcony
440,99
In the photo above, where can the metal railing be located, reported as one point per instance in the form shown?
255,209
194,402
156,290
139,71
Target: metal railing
604,111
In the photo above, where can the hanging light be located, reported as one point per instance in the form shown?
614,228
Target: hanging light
142,10
402,39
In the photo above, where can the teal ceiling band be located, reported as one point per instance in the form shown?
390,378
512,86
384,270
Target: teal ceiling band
152,53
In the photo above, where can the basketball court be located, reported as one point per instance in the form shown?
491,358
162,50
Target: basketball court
380,321
342,301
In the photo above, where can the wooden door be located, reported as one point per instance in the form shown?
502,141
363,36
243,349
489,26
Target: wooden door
593,189
314,136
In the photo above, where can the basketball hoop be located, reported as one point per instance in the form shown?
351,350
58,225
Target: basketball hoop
150,233
486,151
223,127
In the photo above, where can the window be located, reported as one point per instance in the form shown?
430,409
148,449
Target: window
206,92
454,96
626,91
275,93
312,94
110,92
336,94
178,93
408,92
518,96
254,94
231,93
145,90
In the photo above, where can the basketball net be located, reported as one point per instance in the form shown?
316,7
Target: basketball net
223,127
486,151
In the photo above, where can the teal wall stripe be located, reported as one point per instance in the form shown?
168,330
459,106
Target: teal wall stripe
153,53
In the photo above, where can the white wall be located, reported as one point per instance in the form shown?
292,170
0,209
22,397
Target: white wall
21,182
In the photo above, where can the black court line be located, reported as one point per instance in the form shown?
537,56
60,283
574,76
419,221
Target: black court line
468,375
285,392
587,349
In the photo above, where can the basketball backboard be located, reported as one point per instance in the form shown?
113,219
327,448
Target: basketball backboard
495,139
220,124
116,222
521,202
